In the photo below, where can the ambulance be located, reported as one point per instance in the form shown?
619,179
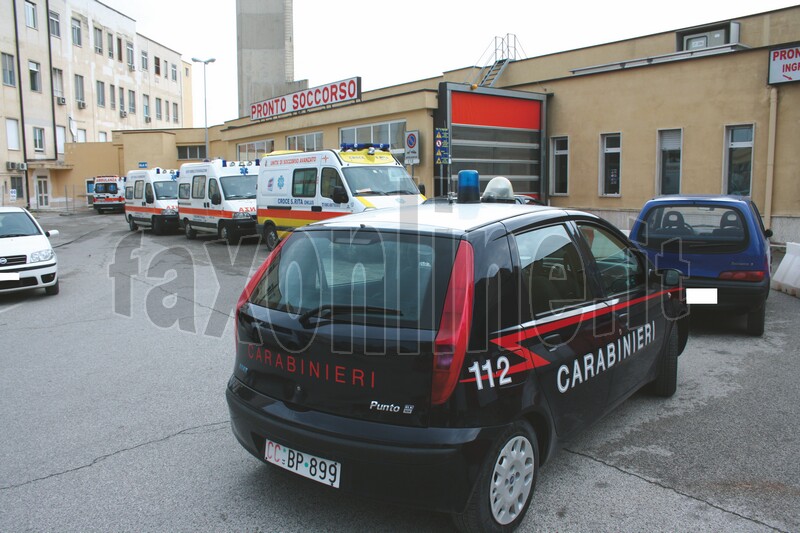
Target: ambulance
218,197
297,188
151,199
109,193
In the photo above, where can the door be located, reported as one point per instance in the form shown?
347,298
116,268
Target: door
634,326
199,201
558,333
42,192
329,181
89,192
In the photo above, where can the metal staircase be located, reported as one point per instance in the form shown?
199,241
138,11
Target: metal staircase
498,55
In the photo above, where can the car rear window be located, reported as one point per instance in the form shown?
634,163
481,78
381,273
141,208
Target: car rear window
693,229
110,188
361,276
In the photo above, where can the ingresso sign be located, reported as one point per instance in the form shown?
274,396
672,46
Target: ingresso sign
784,65
332,93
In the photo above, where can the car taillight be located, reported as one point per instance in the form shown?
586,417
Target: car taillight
251,285
453,335
743,275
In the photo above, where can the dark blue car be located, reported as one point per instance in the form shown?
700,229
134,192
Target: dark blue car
718,242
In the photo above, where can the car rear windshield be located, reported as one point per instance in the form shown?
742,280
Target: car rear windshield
109,188
693,229
166,190
365,181
360,276
17,224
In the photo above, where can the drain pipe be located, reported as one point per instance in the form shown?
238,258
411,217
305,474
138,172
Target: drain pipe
773,124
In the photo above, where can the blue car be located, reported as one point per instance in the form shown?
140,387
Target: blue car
718,242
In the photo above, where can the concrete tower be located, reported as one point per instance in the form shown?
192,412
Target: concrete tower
265,51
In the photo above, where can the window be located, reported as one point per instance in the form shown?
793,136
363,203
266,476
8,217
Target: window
112,96
129,55
551,269
157,65
145,65
12,133
129,192
38,139
81,138
158,108
304,183
174,71
138,189
35,75
58,82
8,70
199,187
559,165
110,42
121,99
213,188
165,68
30,15
738,159
77,40
611,144
308,142
391,133
166,111
146,105
101,94
102,137
669,161
16,184
55,24
329,180
183,191
175,112
131,101
119,49
98,40
79,94
61,138
254,150
620,270
192,152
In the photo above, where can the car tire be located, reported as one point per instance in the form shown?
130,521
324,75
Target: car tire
505,485
666,382
132,224
52,290
270,236
228,234
188,230
756,319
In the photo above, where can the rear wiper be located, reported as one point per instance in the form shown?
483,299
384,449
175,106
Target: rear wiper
333,309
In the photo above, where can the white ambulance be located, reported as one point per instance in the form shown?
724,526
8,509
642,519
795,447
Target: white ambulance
297,188
151,199
218,197
109,193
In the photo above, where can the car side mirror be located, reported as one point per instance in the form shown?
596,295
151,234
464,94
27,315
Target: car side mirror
148,197
51,233
668,277
216,198
340,195
768,233
421,188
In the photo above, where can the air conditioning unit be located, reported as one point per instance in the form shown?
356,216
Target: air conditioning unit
10,165
147,119
81,104
123,114
22,166
131,68
61,100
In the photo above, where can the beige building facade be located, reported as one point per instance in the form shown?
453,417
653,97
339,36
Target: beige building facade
74,71
602,128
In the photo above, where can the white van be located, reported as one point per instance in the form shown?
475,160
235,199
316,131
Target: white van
109,193
218,197
151,199
297,188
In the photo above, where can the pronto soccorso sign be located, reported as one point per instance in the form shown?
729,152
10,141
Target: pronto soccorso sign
332,93
784,64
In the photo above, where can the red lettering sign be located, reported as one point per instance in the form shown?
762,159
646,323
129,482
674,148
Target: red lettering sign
332,93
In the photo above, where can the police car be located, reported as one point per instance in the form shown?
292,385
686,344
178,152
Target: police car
432,356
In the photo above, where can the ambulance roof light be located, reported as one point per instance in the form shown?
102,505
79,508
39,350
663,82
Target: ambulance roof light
468,187
499,189
224,163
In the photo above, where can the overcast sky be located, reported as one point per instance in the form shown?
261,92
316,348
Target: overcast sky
387,43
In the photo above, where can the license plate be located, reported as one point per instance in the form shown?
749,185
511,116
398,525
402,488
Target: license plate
11,276
309,466
701,296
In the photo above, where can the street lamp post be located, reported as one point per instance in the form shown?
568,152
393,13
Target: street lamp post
205,101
